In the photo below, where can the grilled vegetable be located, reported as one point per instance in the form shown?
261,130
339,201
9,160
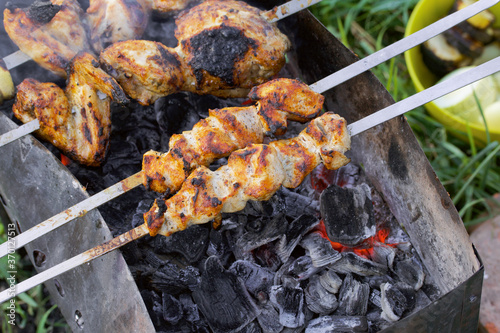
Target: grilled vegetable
442,58
6,85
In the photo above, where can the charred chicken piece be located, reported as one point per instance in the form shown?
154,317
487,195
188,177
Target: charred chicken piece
253,173
228,129
50,33
76,120
170,6
225,48
111,21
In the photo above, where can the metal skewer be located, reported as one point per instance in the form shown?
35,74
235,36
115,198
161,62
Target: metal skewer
320,86
355,128
18,58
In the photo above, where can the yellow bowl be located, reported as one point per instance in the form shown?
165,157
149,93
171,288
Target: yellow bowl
425,13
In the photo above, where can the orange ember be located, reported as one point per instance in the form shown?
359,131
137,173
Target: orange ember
365,249
65,160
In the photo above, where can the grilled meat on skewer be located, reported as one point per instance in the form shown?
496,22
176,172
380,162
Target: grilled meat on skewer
253,173
76,120
111,21
51,35
225,48
228,129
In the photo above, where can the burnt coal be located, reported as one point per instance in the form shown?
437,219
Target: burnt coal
290,302
298,204
330,281
191,243
262,231
352,263
383,255
395,300
257,280
353,297
411,272
348,214
223,298
175,279
319,299
172,309
302,268
338,324
294,233
320,250
269,319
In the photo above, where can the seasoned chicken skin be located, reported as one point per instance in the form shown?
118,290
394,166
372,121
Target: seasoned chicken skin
76,120
111,21
50,35
228,129
253,173
225,48
170,6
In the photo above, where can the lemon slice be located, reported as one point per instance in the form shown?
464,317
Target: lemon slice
462,102
492,116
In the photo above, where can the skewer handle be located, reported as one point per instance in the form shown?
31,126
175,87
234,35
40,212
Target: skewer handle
400,46
78,210
19,132
73,262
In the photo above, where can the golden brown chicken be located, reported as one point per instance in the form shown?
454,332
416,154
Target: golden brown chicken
253,173
225,48
76,120
111,21
170,6
228,129
50,33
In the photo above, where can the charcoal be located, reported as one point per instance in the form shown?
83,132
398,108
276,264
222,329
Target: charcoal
269,319
262,231
396,299
348,214
172,309
143,206
298,204
253,327
223,298
327,324
421,300
218,245
375,298
153,303
384,255
411,272
353,297
175,113
266,256
352,263
320,250
191,243
330,281
302,268
294,233
257,280
346,176
174,279
318,299
269,208
189,308
290,303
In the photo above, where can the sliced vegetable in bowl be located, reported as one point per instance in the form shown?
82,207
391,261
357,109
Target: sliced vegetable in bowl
449,59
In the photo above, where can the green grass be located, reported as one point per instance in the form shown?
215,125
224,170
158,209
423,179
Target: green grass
470,174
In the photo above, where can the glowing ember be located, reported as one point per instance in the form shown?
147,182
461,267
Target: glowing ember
365,249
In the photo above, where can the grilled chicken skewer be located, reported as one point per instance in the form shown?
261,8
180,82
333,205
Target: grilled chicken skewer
333,79
224,49
253,173
224,131
379,56
226,192
44,32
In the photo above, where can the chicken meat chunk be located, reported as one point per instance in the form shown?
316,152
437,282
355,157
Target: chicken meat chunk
76,120
225,48
50,33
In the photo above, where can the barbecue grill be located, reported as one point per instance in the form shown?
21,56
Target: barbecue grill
102,296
